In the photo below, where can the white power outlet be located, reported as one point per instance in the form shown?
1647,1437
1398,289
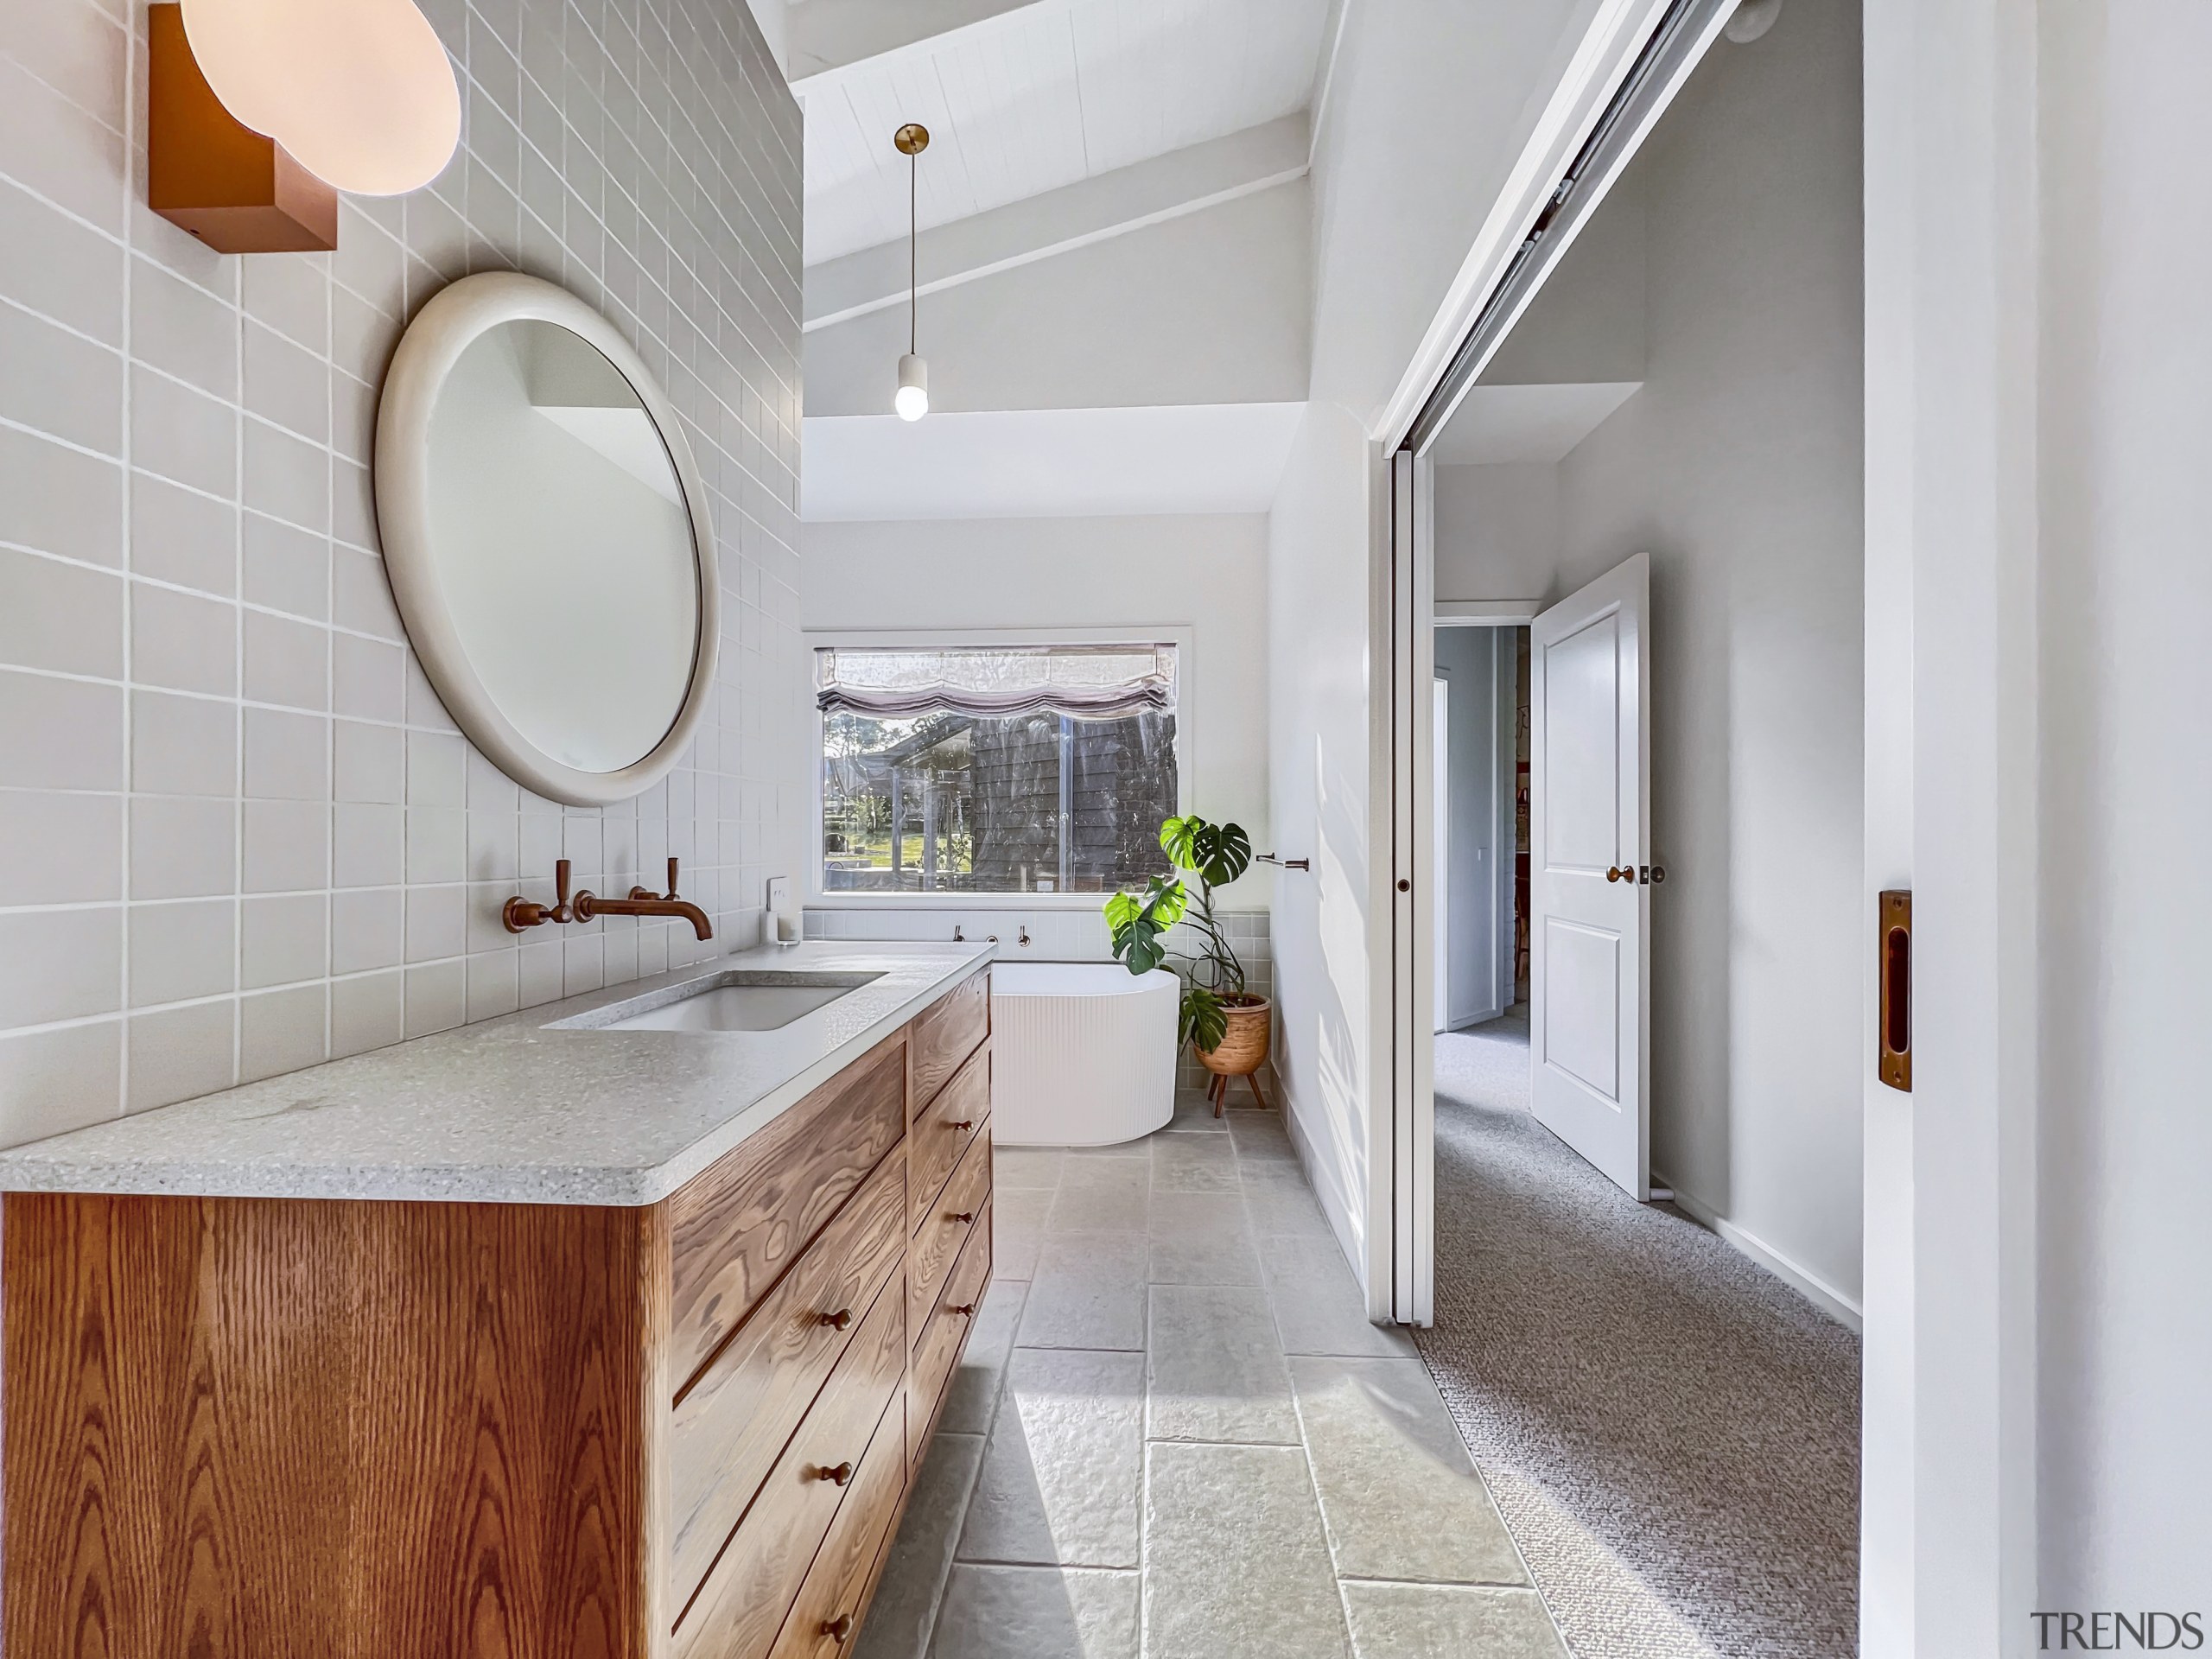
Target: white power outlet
780,895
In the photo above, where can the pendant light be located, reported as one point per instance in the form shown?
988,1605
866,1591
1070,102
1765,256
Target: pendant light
913,397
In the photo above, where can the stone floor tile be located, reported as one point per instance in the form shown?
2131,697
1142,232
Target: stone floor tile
1017,1231
1401,1498
1438,1621
1319,1308
1215,1370
1193,1163
906,1600
1280,1203
1202,1238
1194,1111
1260,1135
1235,1560
1063,1467
1088,1292
1101,1195
1038,1612
1025,1169
973,1392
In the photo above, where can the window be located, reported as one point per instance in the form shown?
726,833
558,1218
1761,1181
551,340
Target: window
995,770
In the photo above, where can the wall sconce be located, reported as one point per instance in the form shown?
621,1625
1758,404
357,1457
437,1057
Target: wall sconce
259,111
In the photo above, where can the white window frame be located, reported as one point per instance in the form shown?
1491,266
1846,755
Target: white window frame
1180,635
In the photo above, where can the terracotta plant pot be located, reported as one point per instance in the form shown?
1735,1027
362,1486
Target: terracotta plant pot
1243,1050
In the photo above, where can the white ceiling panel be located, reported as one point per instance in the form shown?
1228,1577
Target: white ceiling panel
1043,97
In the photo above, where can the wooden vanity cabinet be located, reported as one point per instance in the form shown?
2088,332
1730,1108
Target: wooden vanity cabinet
285,1428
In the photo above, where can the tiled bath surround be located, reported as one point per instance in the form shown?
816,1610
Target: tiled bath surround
238,833
1060,936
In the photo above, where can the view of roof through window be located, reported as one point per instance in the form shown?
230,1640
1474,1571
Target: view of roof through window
1043,769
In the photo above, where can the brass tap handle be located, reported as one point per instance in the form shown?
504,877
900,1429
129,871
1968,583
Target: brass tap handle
838,1628
838,1320
647,893
519,912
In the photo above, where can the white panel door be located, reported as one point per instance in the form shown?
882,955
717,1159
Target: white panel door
1589,900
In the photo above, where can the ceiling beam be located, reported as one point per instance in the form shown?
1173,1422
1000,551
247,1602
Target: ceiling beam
1059,221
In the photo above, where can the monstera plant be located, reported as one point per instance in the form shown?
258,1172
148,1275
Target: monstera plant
1206,856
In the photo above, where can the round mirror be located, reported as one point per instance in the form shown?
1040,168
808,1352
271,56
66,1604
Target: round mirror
547,539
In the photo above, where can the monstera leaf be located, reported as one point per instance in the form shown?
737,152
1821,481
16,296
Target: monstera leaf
1204,1020
1139,922
1219,853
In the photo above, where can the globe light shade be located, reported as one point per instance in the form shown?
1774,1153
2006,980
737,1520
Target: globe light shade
360,93
912,399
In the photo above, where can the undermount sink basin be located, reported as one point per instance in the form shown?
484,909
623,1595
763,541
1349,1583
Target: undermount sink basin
745,1005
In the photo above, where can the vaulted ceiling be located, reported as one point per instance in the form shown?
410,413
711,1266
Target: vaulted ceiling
1024,98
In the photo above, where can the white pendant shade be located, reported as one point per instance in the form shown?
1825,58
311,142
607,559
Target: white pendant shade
912,400
360,92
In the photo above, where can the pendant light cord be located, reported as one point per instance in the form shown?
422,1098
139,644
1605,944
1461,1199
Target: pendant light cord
914,253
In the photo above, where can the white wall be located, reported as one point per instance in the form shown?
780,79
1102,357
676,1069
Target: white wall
1209,307
2124,1230
1738,469
240,835
1320,757
1206,572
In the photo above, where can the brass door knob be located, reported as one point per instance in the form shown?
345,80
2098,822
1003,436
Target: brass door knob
838,1628
838,1320
1658,874
1615,873
838,1476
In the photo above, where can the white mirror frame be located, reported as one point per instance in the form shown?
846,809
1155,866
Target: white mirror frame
445,328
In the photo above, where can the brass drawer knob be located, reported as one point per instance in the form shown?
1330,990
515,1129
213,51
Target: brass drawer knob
963,1215
838,1476
965,1310
838,1628
964,1125
838,1320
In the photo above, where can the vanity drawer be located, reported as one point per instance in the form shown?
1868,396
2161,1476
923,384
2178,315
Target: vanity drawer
943,1131
741,1607
946,1032
937,1343
727,1431
738,1225
837,1584
943,1231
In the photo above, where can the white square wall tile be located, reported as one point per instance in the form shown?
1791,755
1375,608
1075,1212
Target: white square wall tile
184,744
60,1079
287,846
180,1053
60,848
182,949
282,1031
287,755
283,940
367,930
60,733
365,1012
183,847
60,964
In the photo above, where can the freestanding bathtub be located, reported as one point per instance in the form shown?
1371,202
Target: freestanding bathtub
1082,1054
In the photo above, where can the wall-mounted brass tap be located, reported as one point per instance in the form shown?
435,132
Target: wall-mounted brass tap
521,914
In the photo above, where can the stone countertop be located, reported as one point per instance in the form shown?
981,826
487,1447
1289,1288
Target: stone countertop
533,1107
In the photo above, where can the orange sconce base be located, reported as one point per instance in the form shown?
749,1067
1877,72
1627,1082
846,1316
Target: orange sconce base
234,190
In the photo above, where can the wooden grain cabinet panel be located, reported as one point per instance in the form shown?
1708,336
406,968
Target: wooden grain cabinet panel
738,1226
826,1618
728,1429
741,1608
937,1345
942,1129
269,1426
945,1229
946,1032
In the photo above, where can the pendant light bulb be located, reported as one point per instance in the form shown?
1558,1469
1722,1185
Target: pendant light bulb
913,400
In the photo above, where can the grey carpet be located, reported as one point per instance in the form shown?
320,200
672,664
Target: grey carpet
1671,1433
